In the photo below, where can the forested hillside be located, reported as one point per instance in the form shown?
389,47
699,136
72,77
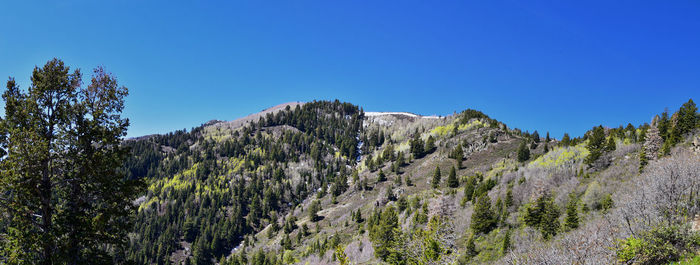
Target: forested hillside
323,183
213,187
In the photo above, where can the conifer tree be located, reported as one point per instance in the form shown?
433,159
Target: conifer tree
571,221
565,140
506,243
385,234
688,118
483,218
643,160
313,211
381,176
523,152
610,146
536,137
469,187
471,247
596,141
417,146
452,181
430,144
70,202
436,178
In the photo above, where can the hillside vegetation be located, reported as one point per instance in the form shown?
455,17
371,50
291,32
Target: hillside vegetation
321,183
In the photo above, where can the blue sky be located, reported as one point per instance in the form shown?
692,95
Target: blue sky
558,66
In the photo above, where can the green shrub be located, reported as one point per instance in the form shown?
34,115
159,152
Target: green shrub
659,245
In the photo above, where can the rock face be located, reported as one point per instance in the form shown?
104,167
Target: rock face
695,225
696,145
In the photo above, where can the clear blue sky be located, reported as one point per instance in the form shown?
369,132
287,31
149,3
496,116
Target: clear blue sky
558,66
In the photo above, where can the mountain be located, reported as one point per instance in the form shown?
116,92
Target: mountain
324,182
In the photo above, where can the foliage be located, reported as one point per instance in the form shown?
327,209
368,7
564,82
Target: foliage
596,140
483,218
543,214
660,245
452,181
571,221
436,178
523,152
64,197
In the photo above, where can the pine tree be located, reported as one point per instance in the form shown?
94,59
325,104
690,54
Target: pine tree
313,211
436,178
688,118
547,139
536,137
643,160
471,247
430,144
452,181
483,218
417,146
509,196
523,152
571,221
385,234
544,215
506,243
610,146
595,145
469,187
70,201
565,140
381,177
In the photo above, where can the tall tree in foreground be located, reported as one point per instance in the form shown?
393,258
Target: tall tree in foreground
63,192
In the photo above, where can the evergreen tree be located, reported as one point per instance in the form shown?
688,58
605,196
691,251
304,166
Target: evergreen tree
483,218
523,152
452,181
313,211
544,215
381,177
565,140
70,201
596,141
536,137
643,160
610,146
506,243
509,196
571,221
436,178
469,187
688,118
458,155
664,125
430,144
471,247
417,146
385,235
547,139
